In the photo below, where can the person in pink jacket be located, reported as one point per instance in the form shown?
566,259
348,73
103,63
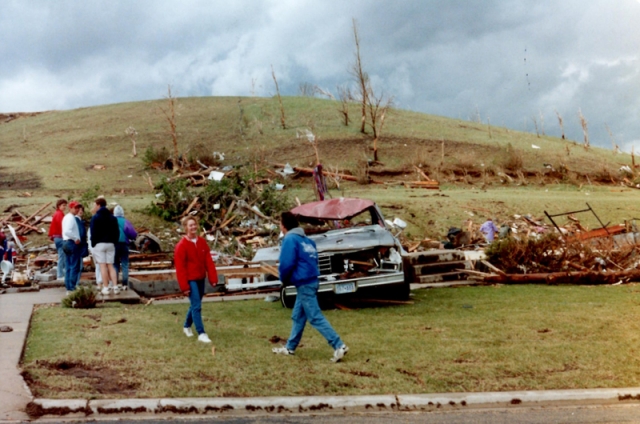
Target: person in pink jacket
193,263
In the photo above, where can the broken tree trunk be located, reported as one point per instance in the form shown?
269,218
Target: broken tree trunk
309,171
578,277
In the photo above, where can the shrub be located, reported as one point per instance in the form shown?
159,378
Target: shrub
84,297
155,156
512,160
176,196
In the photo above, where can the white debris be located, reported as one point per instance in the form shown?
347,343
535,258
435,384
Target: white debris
397,222
216,176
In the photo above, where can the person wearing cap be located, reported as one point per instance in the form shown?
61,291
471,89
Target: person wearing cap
127,233
55,235
71,246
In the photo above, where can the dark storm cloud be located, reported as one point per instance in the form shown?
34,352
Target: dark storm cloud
507,62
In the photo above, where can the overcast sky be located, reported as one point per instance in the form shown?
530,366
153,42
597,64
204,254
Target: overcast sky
504,61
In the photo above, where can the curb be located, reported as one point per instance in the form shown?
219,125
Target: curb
76,408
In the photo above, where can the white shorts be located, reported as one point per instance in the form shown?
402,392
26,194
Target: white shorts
104,253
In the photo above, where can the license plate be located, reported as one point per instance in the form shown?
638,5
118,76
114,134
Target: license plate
345,288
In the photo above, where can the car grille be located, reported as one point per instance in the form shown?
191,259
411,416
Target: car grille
324,264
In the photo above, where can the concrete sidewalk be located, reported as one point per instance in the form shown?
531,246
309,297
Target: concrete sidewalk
15,312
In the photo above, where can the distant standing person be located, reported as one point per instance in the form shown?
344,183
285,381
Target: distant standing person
55,234
127,233
489,230
71,247
193,262
105,233
82,229
299,266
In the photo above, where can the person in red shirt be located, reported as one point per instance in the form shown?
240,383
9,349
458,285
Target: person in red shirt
193,263
55,234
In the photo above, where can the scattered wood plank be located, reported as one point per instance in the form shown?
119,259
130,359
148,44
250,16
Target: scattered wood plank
493,267
309,171
191,205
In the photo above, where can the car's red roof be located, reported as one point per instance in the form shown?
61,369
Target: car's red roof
341,208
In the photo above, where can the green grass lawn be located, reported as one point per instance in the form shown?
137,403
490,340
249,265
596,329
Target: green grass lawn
450,340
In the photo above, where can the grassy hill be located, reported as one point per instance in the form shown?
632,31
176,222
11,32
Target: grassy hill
66,153
60,149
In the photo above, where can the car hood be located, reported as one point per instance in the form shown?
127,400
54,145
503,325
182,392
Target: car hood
347,239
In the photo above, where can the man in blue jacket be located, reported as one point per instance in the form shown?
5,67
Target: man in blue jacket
299,266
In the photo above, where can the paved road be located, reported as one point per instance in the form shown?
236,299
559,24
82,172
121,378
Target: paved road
628,413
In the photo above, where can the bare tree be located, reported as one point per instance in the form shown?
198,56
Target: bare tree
535,125
344,94
170,115
585,130
561,122
614,145
307,89
361,77
542,123
133,134
378,107
323,92
282,119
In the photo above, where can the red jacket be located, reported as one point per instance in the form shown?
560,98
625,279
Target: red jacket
55,230
193,262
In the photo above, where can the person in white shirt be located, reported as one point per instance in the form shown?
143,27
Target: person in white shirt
71,246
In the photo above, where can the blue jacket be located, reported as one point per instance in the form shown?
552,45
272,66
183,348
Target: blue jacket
298,259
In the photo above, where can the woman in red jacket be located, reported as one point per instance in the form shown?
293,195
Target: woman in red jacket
193,263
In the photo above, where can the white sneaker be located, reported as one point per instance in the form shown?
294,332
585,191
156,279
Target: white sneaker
123,287
282,350
188,331
203,338
116,290
339,353
68,292
105,291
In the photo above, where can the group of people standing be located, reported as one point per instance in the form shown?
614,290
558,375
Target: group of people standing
107,240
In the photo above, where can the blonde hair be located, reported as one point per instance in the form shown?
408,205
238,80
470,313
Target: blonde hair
186,219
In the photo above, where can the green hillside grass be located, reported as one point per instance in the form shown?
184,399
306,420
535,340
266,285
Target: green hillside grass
60,148
53,154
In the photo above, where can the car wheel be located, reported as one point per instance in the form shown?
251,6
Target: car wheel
286,301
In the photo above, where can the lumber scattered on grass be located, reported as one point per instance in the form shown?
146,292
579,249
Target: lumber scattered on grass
309,171
557,278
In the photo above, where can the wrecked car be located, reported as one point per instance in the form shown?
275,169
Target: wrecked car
356,249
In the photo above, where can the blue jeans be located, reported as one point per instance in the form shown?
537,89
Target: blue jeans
72,269
306,309
62,260
122,261
194,314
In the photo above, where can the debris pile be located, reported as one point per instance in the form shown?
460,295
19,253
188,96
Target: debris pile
235,211
24,224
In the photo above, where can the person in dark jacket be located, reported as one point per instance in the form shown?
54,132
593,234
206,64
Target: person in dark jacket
299,266
105,233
